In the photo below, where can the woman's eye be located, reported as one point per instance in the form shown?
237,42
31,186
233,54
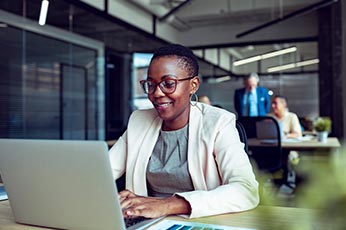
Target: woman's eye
150,84
169,84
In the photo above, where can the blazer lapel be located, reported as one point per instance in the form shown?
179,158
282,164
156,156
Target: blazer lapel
145,151
195,157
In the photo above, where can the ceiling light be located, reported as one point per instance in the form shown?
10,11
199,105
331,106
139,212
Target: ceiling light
43,12
265,56
222,79
292,65
219,79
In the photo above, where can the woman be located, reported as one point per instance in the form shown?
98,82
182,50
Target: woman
181,157
289,121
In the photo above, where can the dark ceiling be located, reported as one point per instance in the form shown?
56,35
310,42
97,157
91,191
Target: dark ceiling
80,18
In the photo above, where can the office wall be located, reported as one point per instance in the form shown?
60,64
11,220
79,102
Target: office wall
301,91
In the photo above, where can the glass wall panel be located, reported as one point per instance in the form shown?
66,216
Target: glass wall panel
48,87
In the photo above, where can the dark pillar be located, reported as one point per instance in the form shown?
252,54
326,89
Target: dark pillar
118,91
332,72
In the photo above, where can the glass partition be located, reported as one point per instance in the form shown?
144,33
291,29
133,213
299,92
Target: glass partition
48,87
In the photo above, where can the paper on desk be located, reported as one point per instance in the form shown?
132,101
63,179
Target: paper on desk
3,194
291,140
298,139
175,225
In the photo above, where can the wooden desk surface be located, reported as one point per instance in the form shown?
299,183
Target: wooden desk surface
332,142
263,217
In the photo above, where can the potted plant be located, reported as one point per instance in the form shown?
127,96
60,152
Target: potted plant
322,126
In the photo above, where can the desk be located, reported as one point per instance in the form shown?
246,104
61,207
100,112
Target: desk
312,149
311,145
263,217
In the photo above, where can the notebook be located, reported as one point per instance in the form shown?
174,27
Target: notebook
61,184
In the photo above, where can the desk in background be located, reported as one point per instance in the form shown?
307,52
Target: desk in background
263,217
328,149
311,145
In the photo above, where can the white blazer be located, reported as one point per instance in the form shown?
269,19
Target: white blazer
220,170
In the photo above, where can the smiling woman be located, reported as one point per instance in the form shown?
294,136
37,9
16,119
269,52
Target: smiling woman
181,157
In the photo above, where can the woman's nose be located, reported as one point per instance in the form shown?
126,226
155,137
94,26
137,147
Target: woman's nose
158,92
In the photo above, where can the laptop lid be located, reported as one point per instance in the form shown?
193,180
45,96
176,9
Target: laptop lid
60,184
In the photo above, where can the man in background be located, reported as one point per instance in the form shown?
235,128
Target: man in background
204,99
252,100
289,122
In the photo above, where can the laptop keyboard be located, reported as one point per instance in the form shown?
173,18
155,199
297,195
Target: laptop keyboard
134,220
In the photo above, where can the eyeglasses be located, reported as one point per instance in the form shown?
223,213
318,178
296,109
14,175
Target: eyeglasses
167,86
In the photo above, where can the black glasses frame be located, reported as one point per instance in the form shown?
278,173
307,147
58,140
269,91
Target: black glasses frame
148,90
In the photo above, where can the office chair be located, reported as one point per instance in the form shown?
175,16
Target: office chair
242,135
266,155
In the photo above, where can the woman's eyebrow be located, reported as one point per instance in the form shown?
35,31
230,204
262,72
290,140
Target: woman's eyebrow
163,76
168,75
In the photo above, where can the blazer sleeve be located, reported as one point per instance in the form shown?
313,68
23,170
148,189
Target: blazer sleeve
117,155
238,189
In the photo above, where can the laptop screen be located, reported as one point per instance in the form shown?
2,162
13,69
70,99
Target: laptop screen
60,184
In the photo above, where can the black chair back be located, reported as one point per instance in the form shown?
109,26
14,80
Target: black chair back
242,135
266,153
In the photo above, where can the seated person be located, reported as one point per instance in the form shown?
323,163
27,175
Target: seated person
204,99
288,121
181,157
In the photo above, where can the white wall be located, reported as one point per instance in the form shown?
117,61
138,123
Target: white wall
96,3
131,14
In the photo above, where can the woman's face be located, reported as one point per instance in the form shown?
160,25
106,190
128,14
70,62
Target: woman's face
173,108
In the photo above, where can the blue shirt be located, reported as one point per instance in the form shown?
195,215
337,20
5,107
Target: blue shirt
250,104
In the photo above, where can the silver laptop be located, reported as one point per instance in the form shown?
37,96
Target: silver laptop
61,184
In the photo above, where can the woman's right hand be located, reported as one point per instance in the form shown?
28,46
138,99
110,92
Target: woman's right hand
152,207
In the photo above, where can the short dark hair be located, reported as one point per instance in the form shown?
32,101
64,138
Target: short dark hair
185,56
282,97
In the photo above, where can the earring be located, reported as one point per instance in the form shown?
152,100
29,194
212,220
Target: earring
193,102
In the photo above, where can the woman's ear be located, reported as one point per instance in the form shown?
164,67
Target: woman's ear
194,85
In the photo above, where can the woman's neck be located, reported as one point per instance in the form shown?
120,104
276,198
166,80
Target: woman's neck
167,126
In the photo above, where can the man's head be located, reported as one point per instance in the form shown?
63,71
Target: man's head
204,99
279,104
251,81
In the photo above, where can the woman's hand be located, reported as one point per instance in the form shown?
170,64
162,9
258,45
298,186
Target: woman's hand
152,207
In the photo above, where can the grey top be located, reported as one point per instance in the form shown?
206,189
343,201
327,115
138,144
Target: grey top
167,171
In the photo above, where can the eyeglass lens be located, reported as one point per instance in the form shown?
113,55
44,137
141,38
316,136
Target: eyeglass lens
166,86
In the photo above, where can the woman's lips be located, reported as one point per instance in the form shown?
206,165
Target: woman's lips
162,106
